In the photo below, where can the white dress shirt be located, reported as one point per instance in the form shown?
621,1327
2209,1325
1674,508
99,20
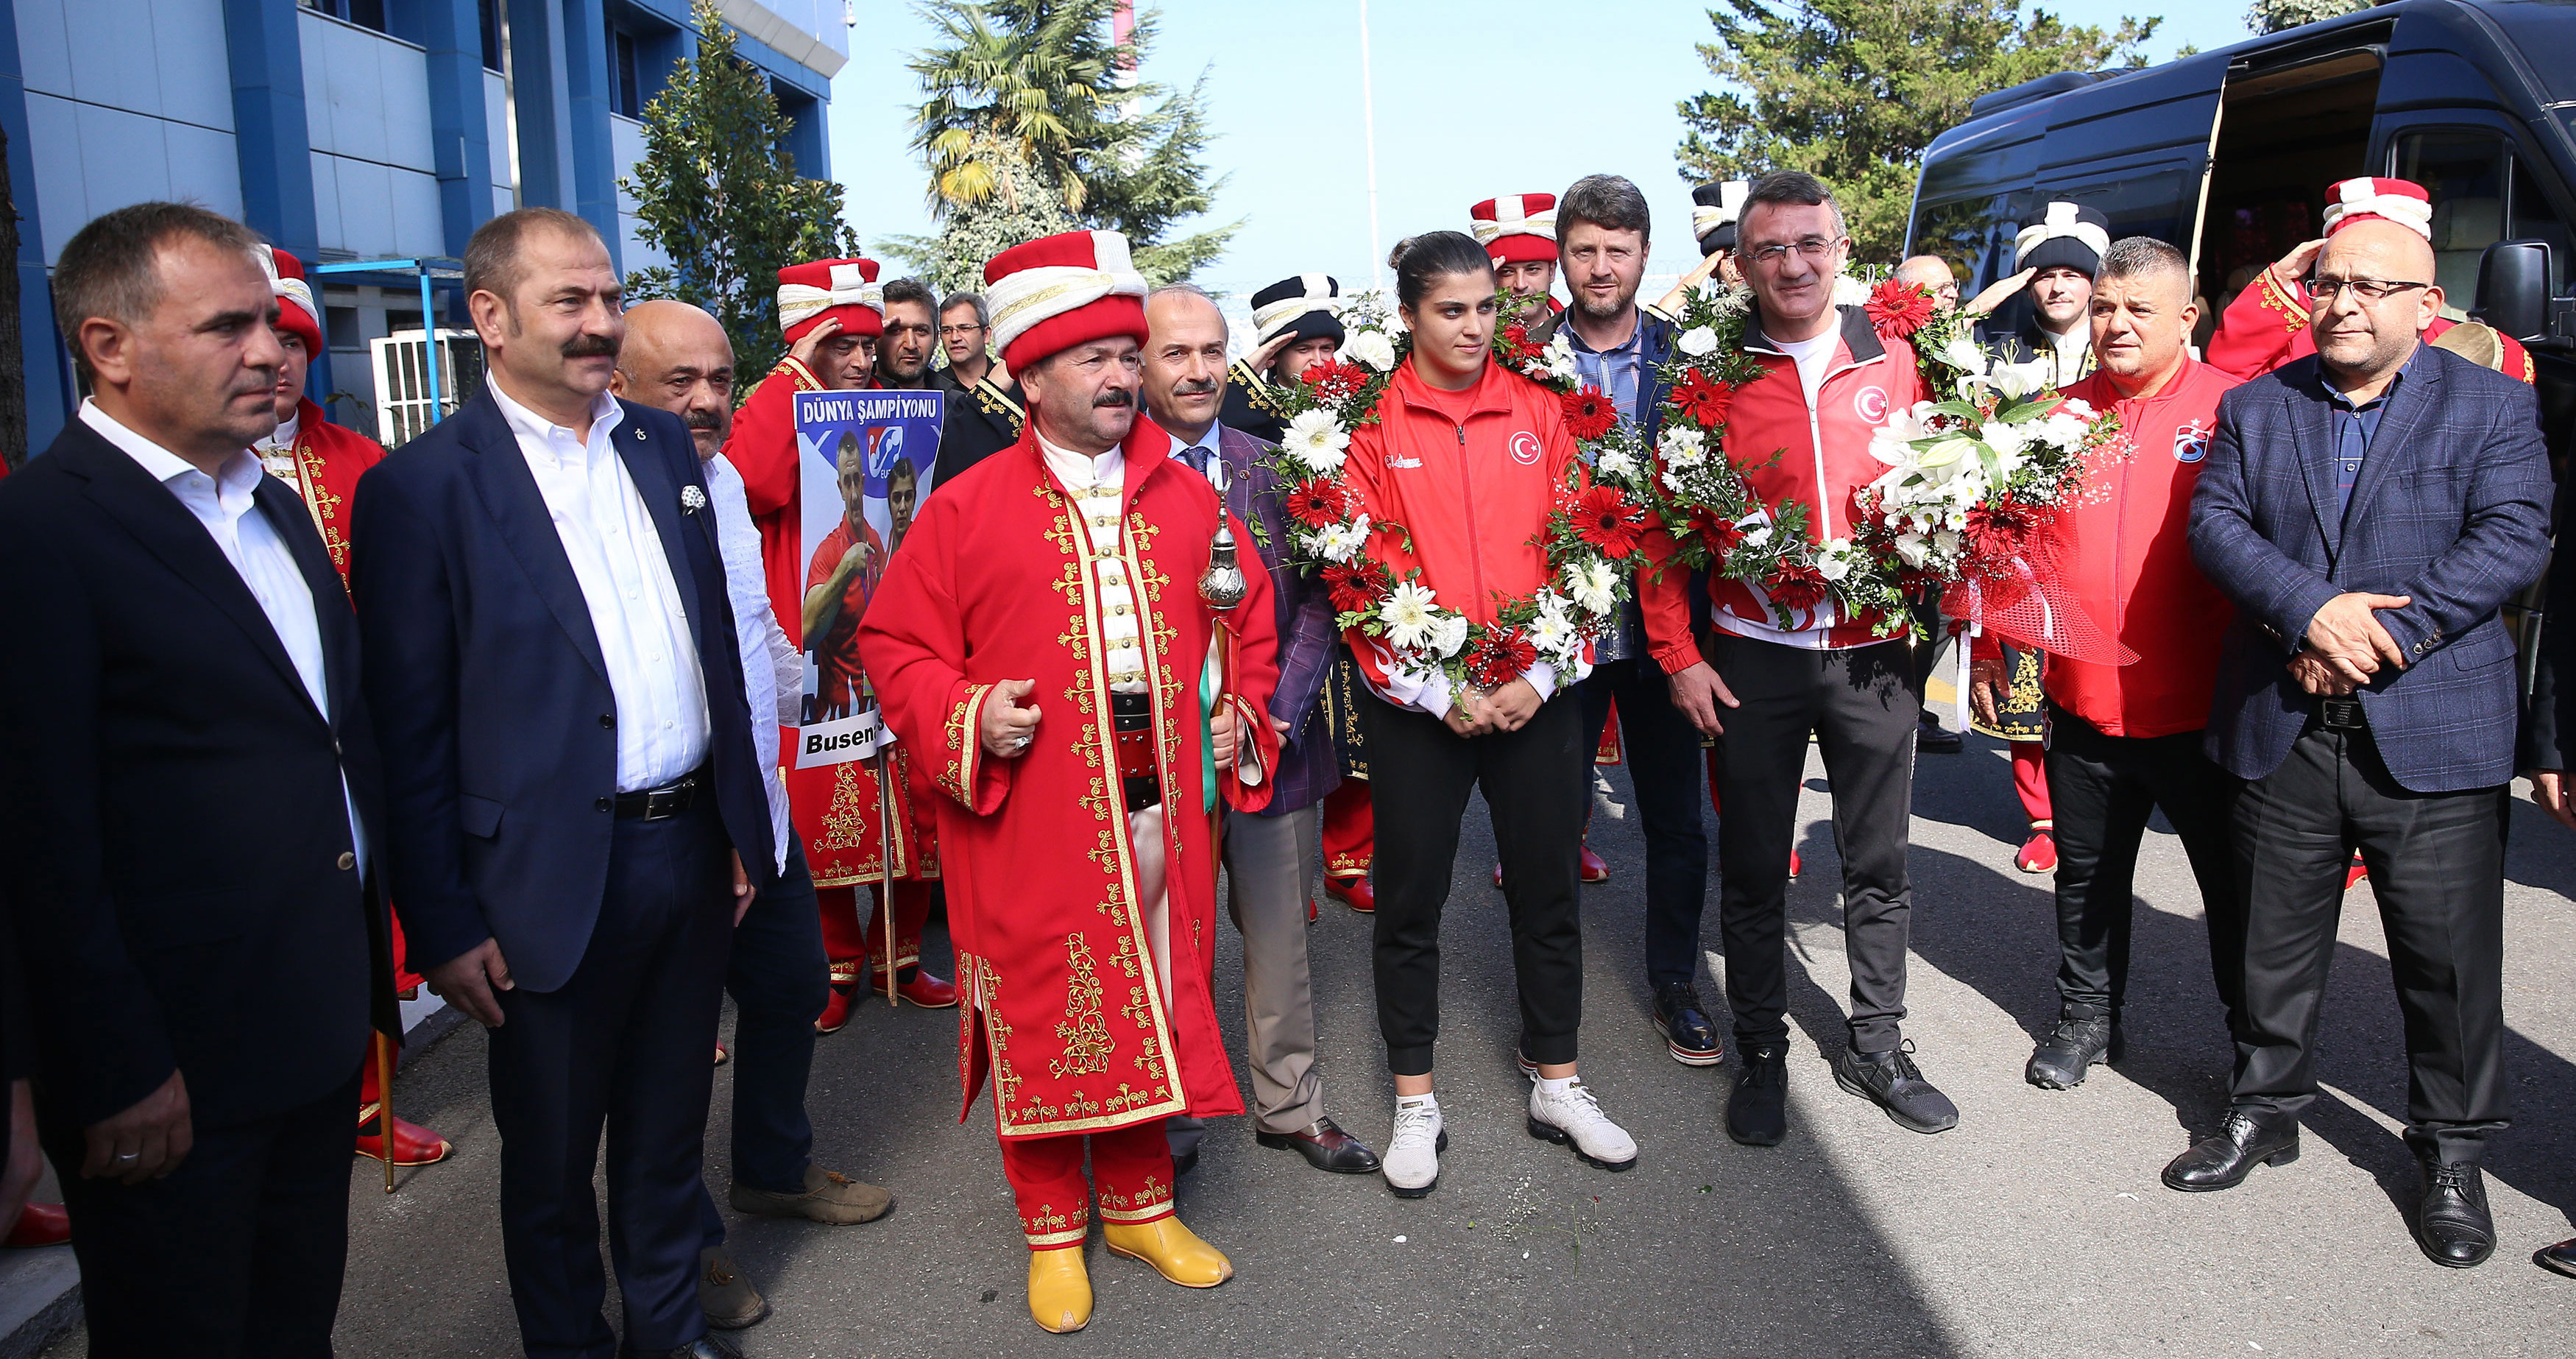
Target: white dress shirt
1099,499
773,672
635,607
224,505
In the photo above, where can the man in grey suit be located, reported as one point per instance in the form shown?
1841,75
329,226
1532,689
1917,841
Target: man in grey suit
2368,509
1271,856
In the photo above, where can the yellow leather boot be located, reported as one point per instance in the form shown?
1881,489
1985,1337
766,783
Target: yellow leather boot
1059,1290
1173,1250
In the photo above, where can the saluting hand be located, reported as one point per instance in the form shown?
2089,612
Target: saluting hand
1008,726
803,350
1997,291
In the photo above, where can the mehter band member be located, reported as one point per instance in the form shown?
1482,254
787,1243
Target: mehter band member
1468,458
1042,644
2368,510
1518,232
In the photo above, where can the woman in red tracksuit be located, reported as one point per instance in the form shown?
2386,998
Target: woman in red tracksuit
1467,458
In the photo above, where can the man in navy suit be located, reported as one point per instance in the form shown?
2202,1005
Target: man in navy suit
575,798
191,821
2368,509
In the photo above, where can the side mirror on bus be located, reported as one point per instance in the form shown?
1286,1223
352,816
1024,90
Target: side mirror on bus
2513,288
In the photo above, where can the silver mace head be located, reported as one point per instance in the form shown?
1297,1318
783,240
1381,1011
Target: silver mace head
1222,585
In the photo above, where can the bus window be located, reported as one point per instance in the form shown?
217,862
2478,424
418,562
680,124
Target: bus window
2534,219
2465,172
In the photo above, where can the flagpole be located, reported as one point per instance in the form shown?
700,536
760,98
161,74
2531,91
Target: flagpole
1368,123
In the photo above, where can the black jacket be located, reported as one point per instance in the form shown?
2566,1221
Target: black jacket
485,675
983,419
171,808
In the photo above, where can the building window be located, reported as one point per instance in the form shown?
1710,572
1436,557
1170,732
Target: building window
491,10
624,81
363,13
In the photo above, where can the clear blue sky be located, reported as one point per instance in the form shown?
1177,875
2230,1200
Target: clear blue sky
1284,97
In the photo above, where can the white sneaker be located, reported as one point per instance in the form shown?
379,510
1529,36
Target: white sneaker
1575,1117
1412,1160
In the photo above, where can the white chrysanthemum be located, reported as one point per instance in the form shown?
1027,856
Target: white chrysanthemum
1616,463
1593,585
2065,429
1914,548
1684,445
1698,342
1834,560
1338,542
1316,439
1372,349
1410,612
1551,631
1449,635
1757,535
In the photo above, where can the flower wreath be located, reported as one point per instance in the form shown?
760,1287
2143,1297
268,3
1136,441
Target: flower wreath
1592,537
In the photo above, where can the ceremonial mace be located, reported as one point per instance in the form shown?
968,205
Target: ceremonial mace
385,1101
885,851
1222,588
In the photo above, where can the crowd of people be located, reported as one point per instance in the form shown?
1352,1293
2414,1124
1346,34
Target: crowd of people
499,713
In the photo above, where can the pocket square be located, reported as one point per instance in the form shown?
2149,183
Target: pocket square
692,500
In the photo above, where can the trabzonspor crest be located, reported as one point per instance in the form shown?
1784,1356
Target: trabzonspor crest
2191,442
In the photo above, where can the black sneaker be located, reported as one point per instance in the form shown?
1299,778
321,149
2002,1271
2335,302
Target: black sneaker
2070,1050
1890,1080
1757,1114
1687,1033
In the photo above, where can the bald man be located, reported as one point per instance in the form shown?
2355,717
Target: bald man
2368,509
1932,274
677,357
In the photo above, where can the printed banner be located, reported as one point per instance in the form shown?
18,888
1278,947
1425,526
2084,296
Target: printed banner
864,463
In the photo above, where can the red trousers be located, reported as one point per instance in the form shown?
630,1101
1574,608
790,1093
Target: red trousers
1350,830
855,944
2030,780
1132,1167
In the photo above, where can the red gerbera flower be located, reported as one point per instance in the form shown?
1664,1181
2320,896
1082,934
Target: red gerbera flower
1315,502
1333,379
1514,343
1605,519
1499,657
1357,587
1797,586
1705,402
1589,414
1720,533
1898,309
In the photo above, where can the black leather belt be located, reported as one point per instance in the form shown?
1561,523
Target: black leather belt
2341,714
1131,725
663,803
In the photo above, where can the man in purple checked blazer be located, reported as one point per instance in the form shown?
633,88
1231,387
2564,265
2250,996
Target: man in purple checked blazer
2368,509
1271,856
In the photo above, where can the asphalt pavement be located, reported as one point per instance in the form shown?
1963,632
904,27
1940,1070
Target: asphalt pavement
2036,1228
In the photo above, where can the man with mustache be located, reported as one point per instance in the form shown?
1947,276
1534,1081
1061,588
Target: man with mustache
910,338
828,311
578,816
1042,642
677,357
984,410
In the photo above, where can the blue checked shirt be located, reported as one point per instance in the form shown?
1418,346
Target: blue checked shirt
2355,426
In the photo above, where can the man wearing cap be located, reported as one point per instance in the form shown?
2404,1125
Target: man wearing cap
831,313
2267,325
1298,323
1714,210
984,410
321,462
1518,232
1043,643
2368,510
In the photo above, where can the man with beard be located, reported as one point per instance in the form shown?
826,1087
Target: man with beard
910,338
1042,641
1518,232
1603,237
678,358
984,411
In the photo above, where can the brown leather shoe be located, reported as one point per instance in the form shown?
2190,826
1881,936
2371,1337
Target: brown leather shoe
726,1294
829,1197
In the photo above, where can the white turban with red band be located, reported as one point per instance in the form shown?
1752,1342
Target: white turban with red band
2387,200
296,311
1060,291
1516,228
847,289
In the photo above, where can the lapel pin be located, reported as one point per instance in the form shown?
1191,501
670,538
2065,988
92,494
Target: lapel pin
692,500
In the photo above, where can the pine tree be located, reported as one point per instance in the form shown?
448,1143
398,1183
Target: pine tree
1038,84
717,193
1852,91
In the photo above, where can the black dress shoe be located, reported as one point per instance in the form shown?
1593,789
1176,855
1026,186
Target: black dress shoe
1325,1147
2070,1050
1185,1162
2224,1160
712,1345
1757,1114
1931,738
1687,1033
2451,1223
1890,1080
2560,1258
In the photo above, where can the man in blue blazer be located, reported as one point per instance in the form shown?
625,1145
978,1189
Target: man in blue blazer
2368,509
569,765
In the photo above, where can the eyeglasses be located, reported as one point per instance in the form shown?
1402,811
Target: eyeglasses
2370,289
1814,248
953,332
